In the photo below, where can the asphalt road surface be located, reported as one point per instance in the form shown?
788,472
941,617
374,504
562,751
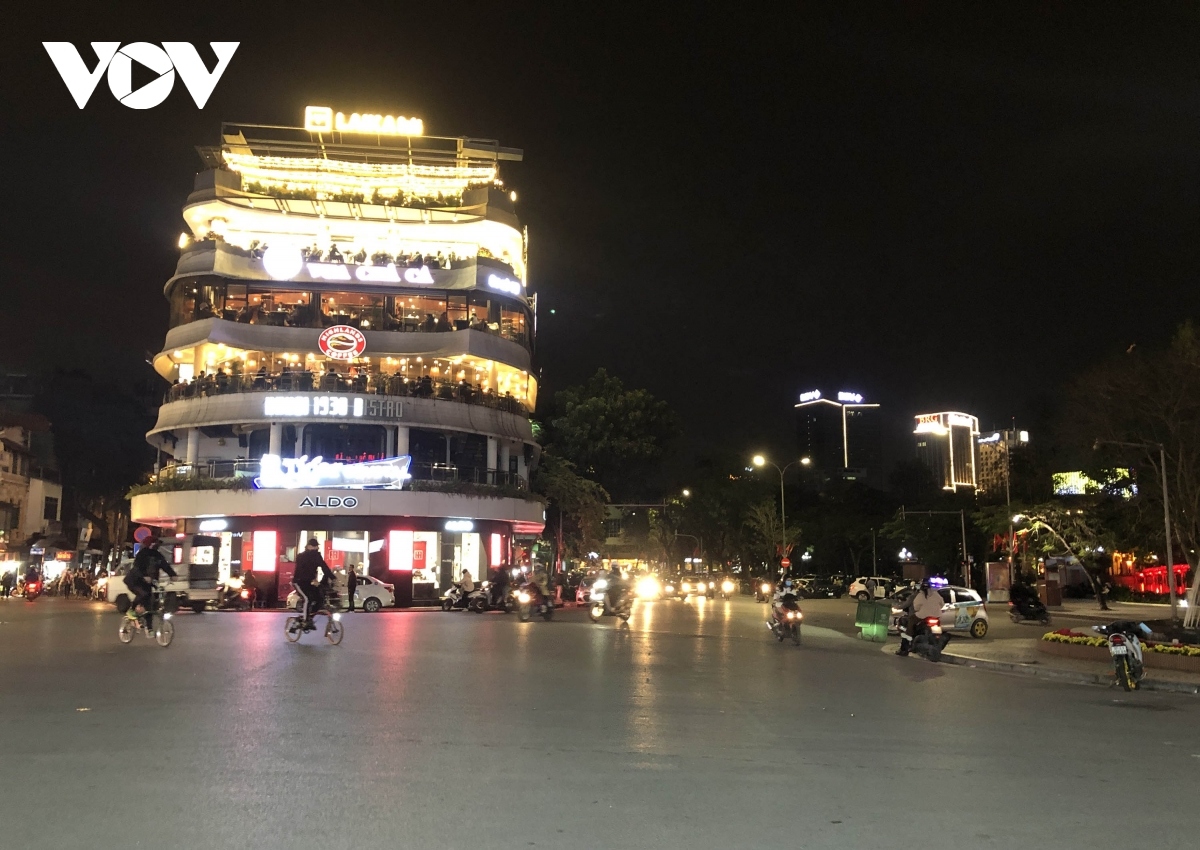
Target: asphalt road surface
690,728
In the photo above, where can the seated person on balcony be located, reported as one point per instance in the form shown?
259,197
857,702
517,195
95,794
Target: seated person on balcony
391,322
222,381
333,255
251,314
464,390
313,254
478,324
425,387
443,322
298,317
204,310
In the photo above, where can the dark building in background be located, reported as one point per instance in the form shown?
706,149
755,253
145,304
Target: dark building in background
995,470
841,435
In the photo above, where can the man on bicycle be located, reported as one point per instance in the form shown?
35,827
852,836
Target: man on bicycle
305,580
141,577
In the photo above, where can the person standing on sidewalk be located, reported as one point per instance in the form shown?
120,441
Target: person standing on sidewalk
351,584
6,583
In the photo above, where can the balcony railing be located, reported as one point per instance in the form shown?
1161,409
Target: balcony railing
371,384
445,473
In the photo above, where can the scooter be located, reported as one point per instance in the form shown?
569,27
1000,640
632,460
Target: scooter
531,599
786,618
481,600
601,605
33,590
930,642
1125,648
1028,609
234,599
454,598
763,591
727,589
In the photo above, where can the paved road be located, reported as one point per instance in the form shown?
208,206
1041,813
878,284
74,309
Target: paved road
691,728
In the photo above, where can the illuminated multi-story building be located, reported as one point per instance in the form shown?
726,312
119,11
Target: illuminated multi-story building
350,357
995,455
840,434
946,444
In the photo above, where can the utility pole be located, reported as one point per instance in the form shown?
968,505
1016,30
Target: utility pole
962,518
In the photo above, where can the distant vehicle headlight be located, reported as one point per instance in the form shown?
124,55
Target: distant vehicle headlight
701,586
600,584
727,586
687,585
648,587
670,588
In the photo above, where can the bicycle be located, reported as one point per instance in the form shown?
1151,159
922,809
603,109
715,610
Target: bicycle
132,622
295,626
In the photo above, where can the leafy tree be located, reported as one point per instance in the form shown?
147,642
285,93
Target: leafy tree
99,438
772,540
1147,398
613,435
574,503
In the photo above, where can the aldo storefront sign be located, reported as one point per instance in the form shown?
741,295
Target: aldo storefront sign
348,502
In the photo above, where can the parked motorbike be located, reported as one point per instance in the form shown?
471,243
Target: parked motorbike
454,599
482,600
530,599
786,618
602,605
931,640
1125,647
1028,609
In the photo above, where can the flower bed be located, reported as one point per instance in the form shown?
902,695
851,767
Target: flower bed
1067,644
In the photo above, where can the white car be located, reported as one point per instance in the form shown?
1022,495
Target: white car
859,589
963,609
370,595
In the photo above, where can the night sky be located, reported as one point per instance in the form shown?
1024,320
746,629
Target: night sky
937,207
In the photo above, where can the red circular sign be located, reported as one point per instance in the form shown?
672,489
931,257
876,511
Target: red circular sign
342,342
786,562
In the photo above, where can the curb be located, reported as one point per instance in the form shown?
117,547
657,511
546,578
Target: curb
1078,678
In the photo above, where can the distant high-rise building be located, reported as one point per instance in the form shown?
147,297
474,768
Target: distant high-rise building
995,450
840,434
946,444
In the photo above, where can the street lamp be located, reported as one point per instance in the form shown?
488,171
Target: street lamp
1162,473
686,492
760,462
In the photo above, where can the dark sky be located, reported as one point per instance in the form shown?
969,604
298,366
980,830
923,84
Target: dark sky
940,207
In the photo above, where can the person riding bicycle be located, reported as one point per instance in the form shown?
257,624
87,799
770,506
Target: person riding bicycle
304,579
141,577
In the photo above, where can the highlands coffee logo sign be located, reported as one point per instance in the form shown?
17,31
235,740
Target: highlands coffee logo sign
118,61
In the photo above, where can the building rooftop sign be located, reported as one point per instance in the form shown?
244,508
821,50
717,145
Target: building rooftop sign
322,119
811,395
850,398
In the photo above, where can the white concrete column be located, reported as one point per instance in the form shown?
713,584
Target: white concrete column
298,449
522,469
491,454
276,438
505,453
389,442
193,445
401,440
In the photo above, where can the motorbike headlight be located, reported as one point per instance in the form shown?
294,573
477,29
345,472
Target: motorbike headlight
648,587
766,588
600,584
523,597
687,586
727,586
670,588
701,586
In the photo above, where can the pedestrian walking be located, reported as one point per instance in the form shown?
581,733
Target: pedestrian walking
351,584
7,582
871,586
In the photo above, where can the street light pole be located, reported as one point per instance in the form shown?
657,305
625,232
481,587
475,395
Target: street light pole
759,461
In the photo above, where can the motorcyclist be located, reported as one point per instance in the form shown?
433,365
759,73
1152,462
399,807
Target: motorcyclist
305,580
499,586
542,582
616,588
925,603
141,577
785,591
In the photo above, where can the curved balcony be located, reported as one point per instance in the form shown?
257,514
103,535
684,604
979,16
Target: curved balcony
395,386
431,477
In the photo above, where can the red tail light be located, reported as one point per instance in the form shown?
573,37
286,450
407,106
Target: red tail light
245,594
1117,639
932,621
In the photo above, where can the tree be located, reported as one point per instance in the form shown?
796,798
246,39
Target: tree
773,542
99,439
1072,532
575,505
1146,398
611,434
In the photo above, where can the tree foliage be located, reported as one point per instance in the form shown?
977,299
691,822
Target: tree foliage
611,434
574,503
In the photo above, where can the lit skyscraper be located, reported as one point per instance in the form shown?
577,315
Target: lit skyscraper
840,434
946,444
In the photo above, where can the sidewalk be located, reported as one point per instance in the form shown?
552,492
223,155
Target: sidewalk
1088,609
1021,656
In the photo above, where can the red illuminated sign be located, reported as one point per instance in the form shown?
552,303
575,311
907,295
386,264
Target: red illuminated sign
342,342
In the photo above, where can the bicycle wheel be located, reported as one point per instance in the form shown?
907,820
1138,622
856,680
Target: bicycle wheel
165,632
292,629
126,630
334,631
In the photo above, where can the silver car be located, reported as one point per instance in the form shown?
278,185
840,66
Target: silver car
963,609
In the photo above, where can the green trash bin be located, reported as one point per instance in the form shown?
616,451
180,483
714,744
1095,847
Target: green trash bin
872,619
